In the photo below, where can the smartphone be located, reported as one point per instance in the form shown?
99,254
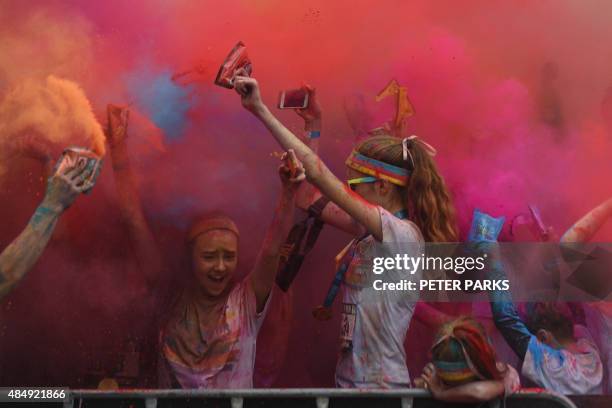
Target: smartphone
293,99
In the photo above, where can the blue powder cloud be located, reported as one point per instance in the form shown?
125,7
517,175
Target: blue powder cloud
165,103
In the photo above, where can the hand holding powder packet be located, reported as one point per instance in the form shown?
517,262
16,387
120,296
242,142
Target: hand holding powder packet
81,159
236,60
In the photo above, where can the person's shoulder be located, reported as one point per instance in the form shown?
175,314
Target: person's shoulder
401,229
414,230
240,288
242,296
585,345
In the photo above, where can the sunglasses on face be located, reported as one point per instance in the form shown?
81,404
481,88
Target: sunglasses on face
352,183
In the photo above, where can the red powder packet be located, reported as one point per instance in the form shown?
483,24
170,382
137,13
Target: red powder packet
236,60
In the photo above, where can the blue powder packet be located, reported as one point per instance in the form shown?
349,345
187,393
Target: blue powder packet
484,227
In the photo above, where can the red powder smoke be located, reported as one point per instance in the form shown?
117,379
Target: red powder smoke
475,75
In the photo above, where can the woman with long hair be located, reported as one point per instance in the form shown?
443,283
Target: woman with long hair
394,201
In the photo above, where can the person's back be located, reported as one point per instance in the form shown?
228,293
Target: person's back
554,359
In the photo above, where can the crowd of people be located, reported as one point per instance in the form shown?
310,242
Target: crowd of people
393,201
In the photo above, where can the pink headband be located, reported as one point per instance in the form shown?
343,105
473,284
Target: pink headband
219,222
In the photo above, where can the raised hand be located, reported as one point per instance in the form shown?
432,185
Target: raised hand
64,186
116,131
248,89
291,171
312,113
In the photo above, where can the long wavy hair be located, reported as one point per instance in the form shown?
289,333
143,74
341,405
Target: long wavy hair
426,196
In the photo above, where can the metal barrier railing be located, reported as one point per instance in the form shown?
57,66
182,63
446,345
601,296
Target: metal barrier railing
305,397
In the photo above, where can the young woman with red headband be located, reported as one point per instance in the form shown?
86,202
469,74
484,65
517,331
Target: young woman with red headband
207,336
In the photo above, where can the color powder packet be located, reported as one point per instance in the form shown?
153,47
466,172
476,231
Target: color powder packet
82,159
484,227
236,60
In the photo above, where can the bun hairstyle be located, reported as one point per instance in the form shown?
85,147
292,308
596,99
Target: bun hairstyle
426,196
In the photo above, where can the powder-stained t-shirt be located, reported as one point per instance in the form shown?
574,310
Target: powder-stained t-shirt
579,371
599,321
199,353
375,322
566,372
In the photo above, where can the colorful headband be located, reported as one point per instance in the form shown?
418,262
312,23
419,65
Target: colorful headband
456,371
377,168
452,372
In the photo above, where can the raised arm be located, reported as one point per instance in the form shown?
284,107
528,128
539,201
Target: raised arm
264,272
21,255
313,118
316,171
307,193
505,315
584,229
132,215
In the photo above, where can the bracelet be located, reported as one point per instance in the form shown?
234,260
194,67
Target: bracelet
314,134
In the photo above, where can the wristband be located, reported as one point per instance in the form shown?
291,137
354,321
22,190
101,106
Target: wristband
318,206
314,134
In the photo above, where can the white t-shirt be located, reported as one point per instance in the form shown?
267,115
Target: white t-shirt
599,321
378,319
219,354
563,371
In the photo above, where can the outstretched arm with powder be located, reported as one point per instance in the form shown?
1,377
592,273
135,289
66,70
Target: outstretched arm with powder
262,276
132,215
308,194
19,257
316,171
587,226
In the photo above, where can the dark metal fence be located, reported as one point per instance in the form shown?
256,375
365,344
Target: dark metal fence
302,398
